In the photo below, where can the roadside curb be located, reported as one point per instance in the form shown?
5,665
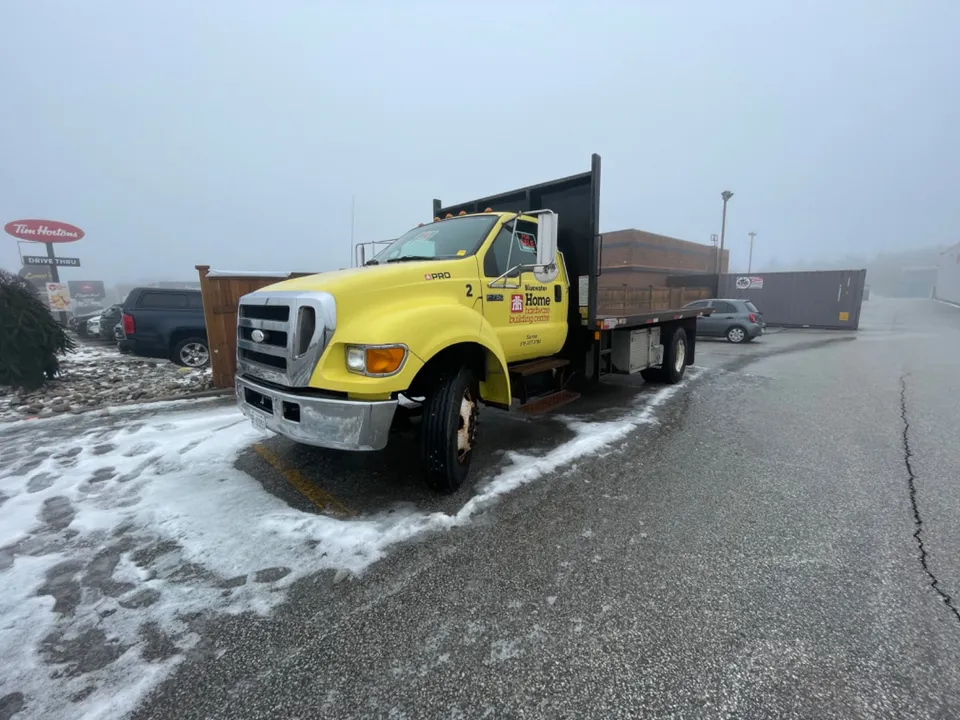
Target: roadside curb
202,395
219,392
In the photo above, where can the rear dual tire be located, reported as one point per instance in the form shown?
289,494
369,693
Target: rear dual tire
674,363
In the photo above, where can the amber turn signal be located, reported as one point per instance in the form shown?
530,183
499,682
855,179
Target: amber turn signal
384,360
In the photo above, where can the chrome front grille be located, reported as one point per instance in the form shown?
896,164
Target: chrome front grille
281,335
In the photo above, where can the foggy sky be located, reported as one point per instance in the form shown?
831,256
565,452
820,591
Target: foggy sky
235,133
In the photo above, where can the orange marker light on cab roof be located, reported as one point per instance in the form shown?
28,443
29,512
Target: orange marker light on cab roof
489,210
437,219
448,215
419,224
462,212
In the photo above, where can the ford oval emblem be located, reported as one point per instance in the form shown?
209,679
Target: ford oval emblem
257,336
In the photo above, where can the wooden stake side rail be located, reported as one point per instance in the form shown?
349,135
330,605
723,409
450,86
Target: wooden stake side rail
639,300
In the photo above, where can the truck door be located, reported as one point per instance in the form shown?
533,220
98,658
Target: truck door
529,317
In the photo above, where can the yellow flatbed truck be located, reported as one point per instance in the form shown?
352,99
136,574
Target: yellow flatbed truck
492,303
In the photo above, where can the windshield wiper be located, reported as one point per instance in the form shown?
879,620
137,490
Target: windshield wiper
407,258
372,262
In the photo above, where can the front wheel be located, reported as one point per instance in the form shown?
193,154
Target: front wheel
448,430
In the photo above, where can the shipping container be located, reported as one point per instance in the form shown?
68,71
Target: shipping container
947,286
829,299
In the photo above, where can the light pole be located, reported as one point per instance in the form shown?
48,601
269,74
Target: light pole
750,261
726,195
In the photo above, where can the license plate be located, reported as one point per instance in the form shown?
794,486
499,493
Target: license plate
260,423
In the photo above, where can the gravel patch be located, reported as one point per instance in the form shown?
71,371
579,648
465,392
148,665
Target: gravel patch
97,376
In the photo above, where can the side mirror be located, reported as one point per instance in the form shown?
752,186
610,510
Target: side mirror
547,270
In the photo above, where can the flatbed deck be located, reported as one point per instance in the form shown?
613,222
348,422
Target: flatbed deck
612,322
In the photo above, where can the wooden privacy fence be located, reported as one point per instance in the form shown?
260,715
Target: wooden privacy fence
221,292
625,300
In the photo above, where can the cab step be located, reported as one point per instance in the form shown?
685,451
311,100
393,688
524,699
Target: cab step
549,403
538,366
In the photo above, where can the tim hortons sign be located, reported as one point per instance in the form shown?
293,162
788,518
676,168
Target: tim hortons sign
45,231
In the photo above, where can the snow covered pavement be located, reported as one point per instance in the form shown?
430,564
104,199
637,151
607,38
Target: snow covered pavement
119,529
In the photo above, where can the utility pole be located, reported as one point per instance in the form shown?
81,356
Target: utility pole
750,261
726,195
353,208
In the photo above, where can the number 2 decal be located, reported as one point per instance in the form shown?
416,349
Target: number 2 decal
469,290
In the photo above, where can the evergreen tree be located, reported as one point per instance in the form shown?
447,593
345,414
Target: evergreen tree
30,337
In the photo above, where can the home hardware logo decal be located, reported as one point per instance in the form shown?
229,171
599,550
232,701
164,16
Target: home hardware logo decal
533,306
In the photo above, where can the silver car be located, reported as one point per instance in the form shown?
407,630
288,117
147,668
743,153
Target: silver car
736,320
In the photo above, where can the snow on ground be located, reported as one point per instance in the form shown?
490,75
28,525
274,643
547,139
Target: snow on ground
114,539
95,375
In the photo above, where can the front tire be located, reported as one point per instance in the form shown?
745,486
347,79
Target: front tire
448,430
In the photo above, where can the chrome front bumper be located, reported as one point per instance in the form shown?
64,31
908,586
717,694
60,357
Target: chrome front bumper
322,422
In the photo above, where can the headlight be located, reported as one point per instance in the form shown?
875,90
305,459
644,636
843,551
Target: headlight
378,360
356,361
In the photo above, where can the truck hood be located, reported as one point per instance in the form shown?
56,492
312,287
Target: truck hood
378,278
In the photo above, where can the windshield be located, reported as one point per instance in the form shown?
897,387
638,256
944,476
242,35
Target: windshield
453,238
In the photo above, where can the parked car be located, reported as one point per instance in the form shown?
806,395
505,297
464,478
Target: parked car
108,321
78,323
736,320
165,323
93,326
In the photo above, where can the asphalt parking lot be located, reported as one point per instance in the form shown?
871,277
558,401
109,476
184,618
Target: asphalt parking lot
751,555
776,538
345,484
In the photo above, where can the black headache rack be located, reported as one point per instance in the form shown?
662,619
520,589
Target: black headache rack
576,200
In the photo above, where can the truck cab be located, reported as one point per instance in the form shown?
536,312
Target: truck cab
491,302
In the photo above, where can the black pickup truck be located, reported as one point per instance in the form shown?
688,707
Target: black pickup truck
165,323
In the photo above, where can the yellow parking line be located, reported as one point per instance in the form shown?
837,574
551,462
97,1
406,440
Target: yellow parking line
323,500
